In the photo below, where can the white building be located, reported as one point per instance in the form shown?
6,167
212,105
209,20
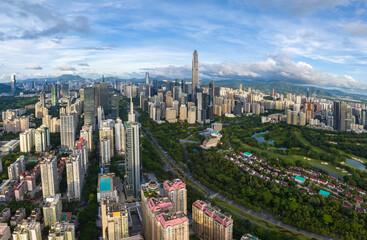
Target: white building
119,136
27,230
105,151
16,168
49,176
41,138
27,140
67,131
75,177
87,134
81,149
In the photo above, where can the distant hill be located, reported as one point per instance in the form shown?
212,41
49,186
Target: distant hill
5,88
62,78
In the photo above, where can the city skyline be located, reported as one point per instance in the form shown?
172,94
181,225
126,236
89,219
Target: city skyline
319,43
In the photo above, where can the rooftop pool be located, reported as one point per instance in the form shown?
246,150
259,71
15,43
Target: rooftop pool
105,185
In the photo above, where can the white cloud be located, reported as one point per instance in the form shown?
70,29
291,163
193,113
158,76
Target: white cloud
65,68
34,67
83,64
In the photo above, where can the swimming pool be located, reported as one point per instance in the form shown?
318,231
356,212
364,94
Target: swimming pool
105,185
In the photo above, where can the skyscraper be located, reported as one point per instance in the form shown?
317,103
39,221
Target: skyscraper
195,73
49,176
133,154
340,115
115,101
12,83
147,78
65,90
54,95
211,92
67,131
42,99
89,115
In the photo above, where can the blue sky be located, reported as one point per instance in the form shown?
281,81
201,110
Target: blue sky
320,42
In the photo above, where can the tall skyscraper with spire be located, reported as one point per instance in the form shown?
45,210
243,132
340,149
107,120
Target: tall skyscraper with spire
195,73
146,78
132,154
12,83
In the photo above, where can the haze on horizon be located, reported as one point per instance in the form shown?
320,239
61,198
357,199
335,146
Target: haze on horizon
318,42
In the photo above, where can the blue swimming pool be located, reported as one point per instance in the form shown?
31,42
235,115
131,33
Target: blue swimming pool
105,185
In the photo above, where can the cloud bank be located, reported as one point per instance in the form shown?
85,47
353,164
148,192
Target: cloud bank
275,67
34,67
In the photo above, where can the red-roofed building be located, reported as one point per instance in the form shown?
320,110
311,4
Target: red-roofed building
347,204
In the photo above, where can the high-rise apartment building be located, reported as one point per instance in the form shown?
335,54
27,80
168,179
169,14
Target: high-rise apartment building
115,225
87,134
41,138
26,140
75,177
52,210
24,123
119,136
150,210
16,168
81,149
27,230
105,151
172,226
62,231
49,176
106,131
183,112
67,131
133,154
195,73
308,108
176,191
210,223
